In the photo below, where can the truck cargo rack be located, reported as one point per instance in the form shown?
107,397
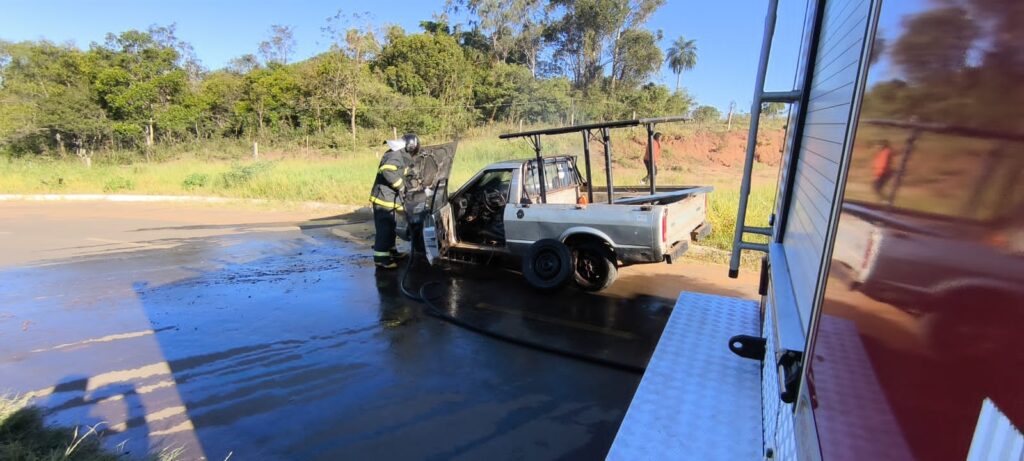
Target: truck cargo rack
604,129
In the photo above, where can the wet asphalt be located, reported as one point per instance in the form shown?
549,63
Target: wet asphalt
281,341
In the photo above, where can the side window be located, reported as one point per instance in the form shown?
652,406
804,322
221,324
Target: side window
551,176
558,175
530,185
499,180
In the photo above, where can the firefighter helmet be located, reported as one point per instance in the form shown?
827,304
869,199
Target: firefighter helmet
412,143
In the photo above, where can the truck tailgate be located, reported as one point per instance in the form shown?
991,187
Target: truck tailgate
684,217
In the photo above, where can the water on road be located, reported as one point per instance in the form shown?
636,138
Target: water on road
270,335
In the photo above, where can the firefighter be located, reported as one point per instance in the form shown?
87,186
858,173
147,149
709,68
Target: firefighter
386,197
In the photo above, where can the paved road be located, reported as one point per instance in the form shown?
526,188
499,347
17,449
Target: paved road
269,335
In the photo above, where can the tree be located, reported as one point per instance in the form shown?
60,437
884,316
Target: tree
279,46
772,109
627,33
935,43
136,79
429,65
500,88
511,26
652,100
218,97
358,45
707,114
46,100
271,96
638,57
243,64
682,56
590,29
534,61
961,64
337,84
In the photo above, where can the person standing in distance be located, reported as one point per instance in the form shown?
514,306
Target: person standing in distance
386,197
655,151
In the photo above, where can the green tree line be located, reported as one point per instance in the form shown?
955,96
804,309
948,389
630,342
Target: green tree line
961,64
515,61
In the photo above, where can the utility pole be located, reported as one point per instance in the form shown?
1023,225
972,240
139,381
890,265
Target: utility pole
732,108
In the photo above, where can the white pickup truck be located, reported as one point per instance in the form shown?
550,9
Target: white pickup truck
500,212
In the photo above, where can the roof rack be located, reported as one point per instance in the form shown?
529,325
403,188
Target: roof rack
603,128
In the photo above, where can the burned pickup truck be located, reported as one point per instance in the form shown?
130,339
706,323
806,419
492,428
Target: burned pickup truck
542,212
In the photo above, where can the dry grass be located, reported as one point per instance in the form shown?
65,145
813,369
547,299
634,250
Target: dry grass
24,436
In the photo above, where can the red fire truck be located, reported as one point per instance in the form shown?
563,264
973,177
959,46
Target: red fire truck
893,273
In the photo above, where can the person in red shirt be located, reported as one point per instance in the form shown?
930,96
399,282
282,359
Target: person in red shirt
655,151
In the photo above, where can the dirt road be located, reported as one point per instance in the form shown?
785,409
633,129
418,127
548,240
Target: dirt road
269,335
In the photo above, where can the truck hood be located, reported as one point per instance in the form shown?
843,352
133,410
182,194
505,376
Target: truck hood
434,163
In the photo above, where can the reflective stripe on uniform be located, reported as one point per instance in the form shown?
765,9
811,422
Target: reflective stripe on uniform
382,253
397,184
386,204
388,168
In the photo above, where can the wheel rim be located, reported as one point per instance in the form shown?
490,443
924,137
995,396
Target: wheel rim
547,265
588,267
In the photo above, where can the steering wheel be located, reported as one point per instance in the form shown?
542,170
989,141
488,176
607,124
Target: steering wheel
494,200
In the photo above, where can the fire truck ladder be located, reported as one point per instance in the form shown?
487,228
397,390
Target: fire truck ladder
794,97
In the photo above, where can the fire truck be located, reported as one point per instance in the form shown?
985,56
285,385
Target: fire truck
892,269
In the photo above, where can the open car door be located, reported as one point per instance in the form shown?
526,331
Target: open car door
432,167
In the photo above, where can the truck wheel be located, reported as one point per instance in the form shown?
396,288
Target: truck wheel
593,266
547,264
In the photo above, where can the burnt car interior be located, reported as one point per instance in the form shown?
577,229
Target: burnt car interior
479,207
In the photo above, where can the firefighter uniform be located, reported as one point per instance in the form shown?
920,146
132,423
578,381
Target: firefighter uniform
386,200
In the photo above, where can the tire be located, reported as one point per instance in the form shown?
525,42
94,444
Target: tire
593,266
971,328
547,264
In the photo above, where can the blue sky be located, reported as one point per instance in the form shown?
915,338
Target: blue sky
728,33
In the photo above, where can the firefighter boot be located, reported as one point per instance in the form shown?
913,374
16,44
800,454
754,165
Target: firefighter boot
383,260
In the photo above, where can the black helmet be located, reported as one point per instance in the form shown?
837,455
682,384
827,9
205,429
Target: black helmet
412,143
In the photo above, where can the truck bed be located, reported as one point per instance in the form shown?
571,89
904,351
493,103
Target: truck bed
641,228
642,195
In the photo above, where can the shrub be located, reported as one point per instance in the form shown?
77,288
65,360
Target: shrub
195,181
118,183
241,174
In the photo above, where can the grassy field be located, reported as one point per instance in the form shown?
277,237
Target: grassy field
296,176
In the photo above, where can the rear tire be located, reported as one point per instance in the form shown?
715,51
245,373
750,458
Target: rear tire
548,264
593,266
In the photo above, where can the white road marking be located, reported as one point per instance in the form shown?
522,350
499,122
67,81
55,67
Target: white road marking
104,339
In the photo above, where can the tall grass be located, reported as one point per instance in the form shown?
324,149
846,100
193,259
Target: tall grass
25,436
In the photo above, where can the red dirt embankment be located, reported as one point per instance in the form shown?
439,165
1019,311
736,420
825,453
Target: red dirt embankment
721,148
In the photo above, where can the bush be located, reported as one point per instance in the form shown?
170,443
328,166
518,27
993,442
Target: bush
195,181
707,114
240,175
116,184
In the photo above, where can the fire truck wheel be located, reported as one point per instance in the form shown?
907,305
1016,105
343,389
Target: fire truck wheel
547,264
